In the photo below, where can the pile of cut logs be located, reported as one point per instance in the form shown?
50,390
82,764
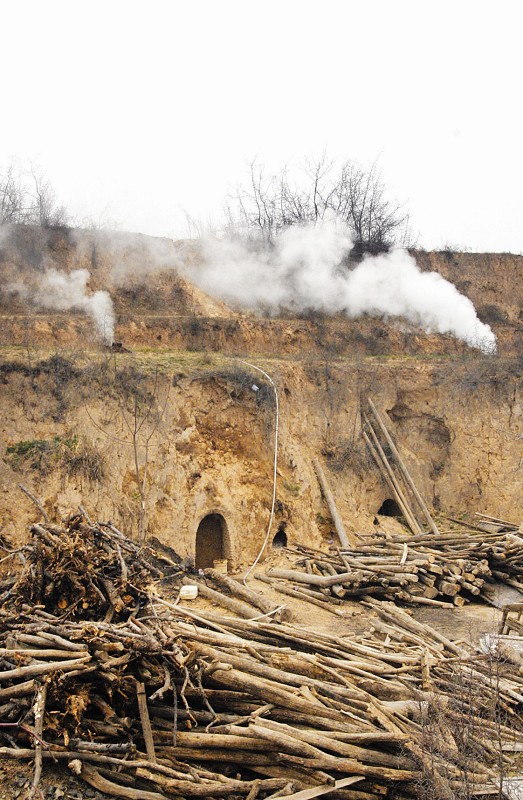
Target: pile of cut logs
150,700
450,568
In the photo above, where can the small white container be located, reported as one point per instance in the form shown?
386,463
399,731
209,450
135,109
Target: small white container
189,592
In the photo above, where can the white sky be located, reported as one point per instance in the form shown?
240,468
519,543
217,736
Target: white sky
137,111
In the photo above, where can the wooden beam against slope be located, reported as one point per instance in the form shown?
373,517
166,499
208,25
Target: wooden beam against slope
338,524
403,469
385,468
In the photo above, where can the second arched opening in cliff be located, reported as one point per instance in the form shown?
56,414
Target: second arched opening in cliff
389,508
280,537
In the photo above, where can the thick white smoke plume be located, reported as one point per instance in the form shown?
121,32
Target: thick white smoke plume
304,270
61,291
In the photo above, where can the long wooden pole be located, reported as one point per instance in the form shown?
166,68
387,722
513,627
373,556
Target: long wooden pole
231,603
254,598
318,791
404,469
145,720
325,581
383,463
338,524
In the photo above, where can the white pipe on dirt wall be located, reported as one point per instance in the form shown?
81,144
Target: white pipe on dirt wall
277,423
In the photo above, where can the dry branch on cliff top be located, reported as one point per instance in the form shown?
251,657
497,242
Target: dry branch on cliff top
147,699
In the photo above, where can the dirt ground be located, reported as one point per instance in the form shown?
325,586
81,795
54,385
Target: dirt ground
57,783
467,623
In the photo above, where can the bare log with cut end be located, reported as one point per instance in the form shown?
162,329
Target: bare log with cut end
93,778
236,606
42,669
299,595
324,581
145,721
244,593
34,500
269,692
210,788
39,712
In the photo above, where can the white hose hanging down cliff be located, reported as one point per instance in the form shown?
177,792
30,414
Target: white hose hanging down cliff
277,423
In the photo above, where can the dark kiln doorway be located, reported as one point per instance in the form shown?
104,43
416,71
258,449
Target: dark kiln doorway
280,537
210,540
389,508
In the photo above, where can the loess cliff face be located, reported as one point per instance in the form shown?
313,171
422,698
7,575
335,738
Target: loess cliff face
177,426
491,280
67,435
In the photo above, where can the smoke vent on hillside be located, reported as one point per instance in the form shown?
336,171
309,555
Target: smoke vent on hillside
211,541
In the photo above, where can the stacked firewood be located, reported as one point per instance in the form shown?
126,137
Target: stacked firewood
451,568
151,699
222,708
93,570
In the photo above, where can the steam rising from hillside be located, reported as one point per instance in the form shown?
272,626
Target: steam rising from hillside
60,291
304,270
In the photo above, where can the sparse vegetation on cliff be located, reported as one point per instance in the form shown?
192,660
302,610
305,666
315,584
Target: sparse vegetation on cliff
74,456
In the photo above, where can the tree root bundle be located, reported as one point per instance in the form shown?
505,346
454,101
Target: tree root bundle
86,570
155,701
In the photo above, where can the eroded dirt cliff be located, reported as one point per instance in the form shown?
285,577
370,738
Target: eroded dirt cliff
184,426
67,433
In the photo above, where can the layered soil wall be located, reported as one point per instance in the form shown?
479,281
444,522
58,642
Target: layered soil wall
73,428
458,425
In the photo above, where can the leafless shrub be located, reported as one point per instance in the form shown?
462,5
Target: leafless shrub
85,461
476,372
492,314
357,196
194,330
14,367
241,383
465,728
348,455
68,453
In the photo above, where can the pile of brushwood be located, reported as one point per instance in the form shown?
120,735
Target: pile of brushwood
86,571
454,567
143,698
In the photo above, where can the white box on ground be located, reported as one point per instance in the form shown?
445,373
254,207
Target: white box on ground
189,592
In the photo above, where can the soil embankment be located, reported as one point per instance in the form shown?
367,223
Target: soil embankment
206,448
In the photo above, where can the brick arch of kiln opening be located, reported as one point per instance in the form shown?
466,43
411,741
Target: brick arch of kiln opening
213,541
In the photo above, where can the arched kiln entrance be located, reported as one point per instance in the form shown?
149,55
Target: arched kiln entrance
211,541
280,537
389,508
